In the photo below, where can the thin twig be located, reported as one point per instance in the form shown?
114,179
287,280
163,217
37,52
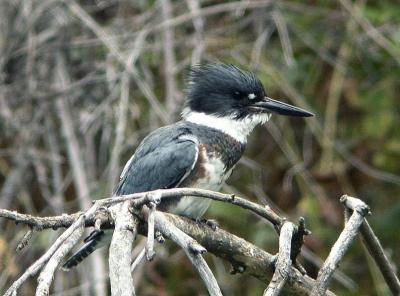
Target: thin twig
138,260
25,239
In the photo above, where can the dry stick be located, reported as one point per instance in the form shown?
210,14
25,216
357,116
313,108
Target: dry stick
198,23
341,246
357,14
140,199
54,222
210,10
34,268
25,239
192,249
121,116
138,260
375,249
334,95
112,46
240,253
283,263
11,184
143,198
283,33
123,111
56,177
76,162
47,274
169,59
150,233
120,257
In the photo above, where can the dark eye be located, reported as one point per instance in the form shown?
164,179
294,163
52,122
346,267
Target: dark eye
238,94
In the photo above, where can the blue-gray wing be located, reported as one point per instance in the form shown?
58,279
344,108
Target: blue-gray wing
163,160
159,163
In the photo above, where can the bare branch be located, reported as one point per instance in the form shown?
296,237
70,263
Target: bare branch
112,46
284,36
143,198
138,259
356,13
25,239
169,58
120,257
283,262
139,199
340,247
192,249
198,23
47,274
121,116
150,233
375,248
242,255
34,268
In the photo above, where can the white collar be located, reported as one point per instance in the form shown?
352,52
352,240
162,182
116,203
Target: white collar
239,129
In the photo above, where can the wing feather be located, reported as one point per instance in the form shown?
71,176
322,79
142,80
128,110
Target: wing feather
165,166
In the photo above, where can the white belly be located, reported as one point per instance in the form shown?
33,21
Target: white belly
214,176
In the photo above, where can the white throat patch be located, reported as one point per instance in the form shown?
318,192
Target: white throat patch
239,129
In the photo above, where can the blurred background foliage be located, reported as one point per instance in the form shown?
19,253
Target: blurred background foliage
81,83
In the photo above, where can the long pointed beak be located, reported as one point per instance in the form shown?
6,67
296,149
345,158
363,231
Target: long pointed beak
273,106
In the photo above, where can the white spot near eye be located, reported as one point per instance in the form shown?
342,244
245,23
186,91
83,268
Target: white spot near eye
252,96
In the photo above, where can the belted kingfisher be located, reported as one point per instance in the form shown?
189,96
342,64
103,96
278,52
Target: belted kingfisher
223,105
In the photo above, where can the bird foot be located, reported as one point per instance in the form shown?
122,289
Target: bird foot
213,224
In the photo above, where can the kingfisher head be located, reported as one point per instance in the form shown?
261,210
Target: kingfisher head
230,99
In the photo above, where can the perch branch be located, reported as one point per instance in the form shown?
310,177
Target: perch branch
243,256
143,198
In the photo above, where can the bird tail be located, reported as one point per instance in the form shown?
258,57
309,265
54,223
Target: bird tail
95,240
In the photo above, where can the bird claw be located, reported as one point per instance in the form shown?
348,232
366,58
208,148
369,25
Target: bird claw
213,224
